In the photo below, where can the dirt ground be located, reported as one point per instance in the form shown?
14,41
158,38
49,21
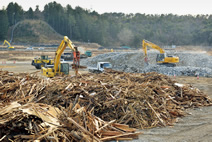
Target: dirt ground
196,126
26,67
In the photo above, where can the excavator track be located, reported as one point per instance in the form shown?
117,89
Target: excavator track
167,64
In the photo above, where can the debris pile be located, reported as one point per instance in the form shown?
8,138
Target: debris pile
88,107
36,121
190,64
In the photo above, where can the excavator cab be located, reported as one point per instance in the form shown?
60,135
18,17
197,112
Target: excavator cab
64,68
44,57
169,61
48,70
160,57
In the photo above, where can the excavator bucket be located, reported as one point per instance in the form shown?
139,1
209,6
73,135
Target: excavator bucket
146,61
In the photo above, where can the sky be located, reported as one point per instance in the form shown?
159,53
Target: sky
179,7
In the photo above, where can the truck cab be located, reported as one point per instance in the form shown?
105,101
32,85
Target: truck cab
88,53
100,67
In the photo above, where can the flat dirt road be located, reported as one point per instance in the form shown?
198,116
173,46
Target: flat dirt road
195,127
26,67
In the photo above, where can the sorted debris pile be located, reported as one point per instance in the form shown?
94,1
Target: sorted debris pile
190,64
90,107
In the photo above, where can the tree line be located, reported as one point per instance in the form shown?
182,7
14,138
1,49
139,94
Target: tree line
114,29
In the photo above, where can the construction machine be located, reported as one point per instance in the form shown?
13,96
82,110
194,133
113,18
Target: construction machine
8,45
162,57
68,56
88,53
100,67
62,68
42,61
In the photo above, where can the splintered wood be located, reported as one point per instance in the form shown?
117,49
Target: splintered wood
90,107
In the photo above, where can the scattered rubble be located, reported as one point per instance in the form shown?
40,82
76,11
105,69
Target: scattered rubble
178,71
88,107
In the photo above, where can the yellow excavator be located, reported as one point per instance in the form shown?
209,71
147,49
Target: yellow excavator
8,45
162,58
62,68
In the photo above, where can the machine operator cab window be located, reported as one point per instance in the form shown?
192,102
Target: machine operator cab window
64,68
107,65
101,65
43,57
160,57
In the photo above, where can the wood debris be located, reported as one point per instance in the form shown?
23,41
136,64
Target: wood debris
90,107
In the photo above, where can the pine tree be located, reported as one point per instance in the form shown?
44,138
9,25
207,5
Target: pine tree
15,13
3,24
30,13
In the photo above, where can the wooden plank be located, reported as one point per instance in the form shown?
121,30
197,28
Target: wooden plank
83,129
156,114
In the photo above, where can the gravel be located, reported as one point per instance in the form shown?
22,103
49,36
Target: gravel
191,64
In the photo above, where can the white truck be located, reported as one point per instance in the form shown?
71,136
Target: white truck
100,67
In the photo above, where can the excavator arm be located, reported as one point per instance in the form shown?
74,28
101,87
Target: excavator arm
161,58
147,43
8,44
66,42
57,65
